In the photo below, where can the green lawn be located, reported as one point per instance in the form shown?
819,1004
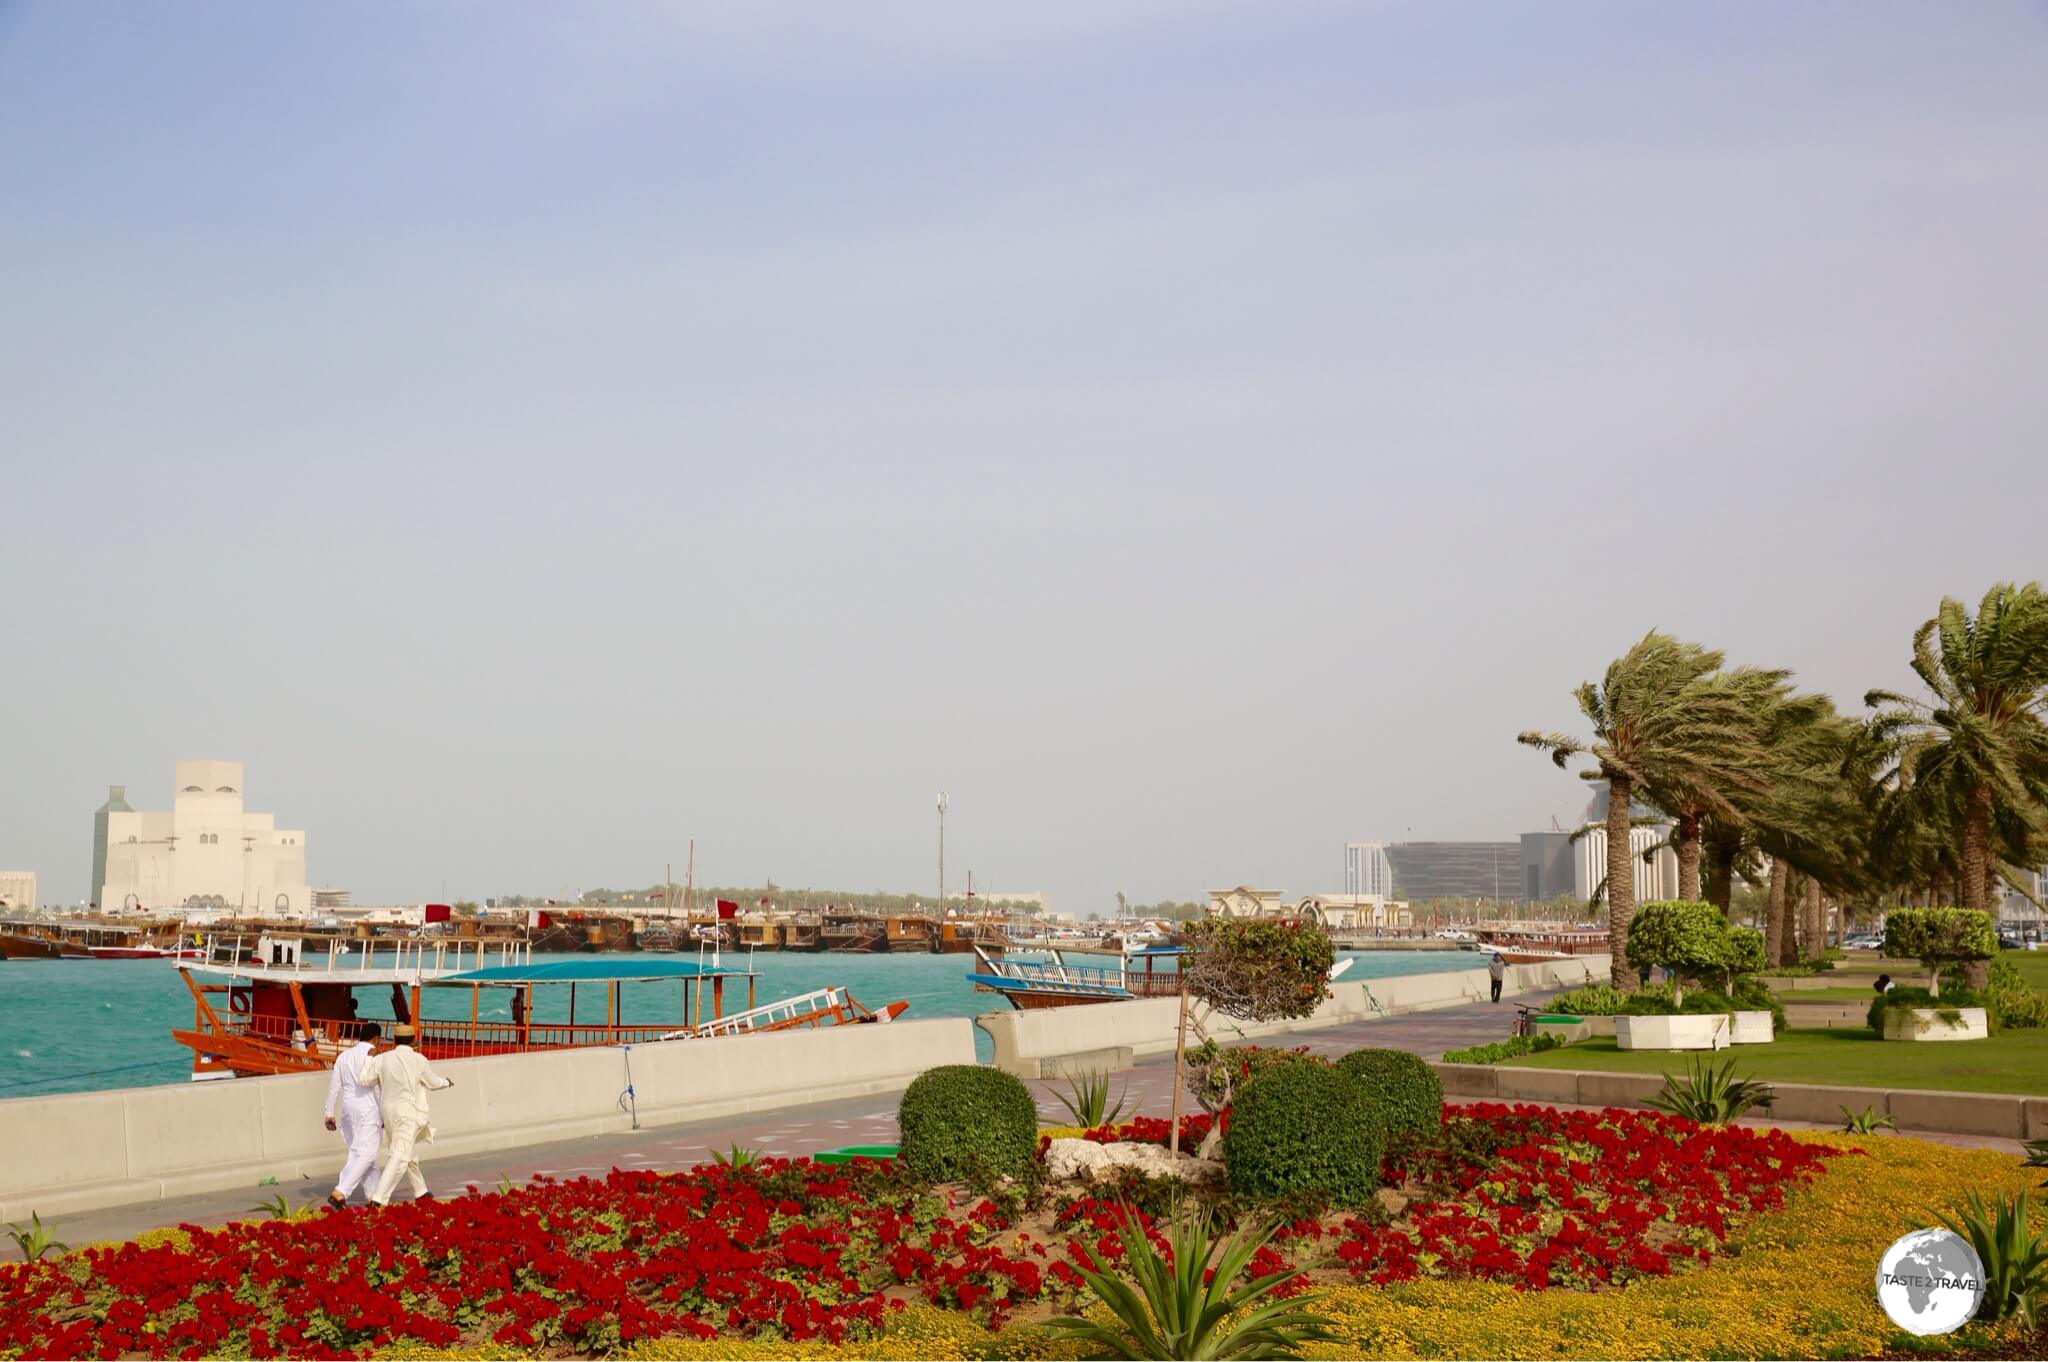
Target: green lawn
2033,966
2011,1061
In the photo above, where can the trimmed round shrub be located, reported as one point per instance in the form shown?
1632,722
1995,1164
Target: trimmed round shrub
1304,1128
1405,1092
963,1121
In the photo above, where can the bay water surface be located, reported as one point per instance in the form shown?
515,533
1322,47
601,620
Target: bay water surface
83,1025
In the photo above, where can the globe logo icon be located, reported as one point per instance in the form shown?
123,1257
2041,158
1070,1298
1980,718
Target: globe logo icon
1930,1282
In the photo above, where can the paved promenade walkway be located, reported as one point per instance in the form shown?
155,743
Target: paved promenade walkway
810,1128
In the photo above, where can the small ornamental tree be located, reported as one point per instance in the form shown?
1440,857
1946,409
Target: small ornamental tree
1745,955
1939,937
1253,969
1680,936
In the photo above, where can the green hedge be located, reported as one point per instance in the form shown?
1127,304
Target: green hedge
2012,1002
1404,1091
963,1121
1510,1048
1593,1000
1303,1128
1900,998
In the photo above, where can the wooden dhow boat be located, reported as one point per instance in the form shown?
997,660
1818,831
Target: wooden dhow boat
1538,945
50,938
280,1012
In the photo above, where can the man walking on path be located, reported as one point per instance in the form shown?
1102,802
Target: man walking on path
362,1124
404,1077
1496,970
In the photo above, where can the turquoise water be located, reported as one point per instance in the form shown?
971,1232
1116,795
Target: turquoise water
81,1025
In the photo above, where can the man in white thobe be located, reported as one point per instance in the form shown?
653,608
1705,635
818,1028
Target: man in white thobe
404,1078
362,1122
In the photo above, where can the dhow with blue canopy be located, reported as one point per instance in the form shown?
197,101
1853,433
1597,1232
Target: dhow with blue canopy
1049,977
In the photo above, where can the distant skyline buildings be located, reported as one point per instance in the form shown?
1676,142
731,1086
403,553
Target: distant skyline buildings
1434,870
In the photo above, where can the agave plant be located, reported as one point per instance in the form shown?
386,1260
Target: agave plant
1866,1122
36,1241
1711,1094
1180,1308
2037,1155
1087,1099
278,1208
2015,1258
739,1156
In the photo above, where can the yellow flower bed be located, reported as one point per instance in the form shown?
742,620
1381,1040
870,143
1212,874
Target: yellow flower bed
1799,1284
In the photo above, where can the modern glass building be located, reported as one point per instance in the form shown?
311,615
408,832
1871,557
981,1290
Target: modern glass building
1434,870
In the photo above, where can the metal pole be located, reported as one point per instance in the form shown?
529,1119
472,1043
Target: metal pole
942,855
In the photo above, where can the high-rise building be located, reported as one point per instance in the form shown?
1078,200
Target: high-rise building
1434,870
205,852
1547,868
1367,872
116,803
1655,873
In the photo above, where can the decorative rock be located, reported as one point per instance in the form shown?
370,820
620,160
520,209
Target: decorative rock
1087,1161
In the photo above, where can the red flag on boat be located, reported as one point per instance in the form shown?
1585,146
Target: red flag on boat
536,918
436,912
727,909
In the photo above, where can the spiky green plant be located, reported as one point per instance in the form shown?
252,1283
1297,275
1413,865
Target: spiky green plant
2015,1258
505,1184
739,1156
1087,1099
37,1240
1710,1093
1866,1122
279,1208
1179,1309
2037,1155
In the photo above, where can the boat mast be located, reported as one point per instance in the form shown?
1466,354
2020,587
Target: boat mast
690,884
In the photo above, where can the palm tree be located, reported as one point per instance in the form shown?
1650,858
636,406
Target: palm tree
1657,718
1765,697
1981,741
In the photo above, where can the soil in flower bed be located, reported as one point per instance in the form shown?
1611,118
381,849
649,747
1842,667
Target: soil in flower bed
786,1250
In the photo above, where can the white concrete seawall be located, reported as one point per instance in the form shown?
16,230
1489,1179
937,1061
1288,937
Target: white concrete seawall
85,1151
1047,1042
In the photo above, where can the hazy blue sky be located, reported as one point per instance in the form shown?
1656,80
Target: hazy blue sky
1193,435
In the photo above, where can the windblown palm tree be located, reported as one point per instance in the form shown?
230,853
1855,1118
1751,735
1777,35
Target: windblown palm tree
1981,742
1748,765
1658,718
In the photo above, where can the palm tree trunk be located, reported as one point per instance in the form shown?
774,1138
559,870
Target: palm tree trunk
1689,857
1816,920
1720,875
1621,881
1774,913
1976,844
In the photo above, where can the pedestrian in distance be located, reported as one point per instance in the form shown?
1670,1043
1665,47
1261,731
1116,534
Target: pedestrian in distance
1497,970
361,1120
404,1078
1883,983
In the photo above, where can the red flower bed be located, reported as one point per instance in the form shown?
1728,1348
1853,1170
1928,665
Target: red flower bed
1547,1198
788,1250
779,1250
